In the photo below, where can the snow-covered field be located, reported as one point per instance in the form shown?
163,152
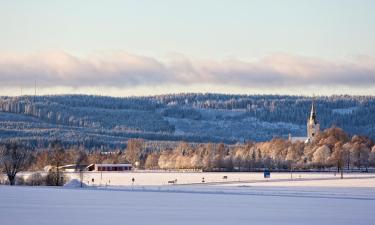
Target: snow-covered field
244,198
162,178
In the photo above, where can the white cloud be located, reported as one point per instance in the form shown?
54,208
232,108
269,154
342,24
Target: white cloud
121,70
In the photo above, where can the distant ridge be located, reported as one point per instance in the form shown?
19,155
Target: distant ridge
102,120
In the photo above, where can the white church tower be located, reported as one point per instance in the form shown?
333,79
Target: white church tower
313,126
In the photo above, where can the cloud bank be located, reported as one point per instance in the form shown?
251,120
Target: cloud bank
121,69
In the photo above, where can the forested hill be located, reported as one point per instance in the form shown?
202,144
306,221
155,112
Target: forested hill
98,120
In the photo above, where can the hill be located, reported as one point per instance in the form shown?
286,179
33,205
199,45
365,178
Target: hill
110,121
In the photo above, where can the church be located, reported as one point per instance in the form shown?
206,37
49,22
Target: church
313,127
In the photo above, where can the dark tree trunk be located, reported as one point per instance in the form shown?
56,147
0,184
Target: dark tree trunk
12,179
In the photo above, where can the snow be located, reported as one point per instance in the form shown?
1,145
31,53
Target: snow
162,178
187,204
74,183
244,198
345,111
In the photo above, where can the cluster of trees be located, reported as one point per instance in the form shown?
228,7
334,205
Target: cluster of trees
16,157
332,148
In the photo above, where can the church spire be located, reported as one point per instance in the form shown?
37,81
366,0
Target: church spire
313,126
313,113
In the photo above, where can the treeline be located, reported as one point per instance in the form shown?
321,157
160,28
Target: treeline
332,148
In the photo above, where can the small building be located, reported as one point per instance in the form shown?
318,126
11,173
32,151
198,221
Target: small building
110,167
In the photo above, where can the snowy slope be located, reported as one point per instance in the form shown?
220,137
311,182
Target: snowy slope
98,120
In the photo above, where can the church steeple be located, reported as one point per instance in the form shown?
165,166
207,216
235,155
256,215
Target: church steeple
312,118
313,126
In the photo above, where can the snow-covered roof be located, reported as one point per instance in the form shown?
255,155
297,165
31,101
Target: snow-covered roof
115,164
72,166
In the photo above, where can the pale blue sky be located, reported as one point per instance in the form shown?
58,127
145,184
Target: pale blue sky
201,28
247,30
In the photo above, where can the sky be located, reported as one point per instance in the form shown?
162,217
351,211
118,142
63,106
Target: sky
146,47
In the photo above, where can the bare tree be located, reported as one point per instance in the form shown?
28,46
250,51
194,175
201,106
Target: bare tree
372,156
220,154
56,157
134,150
80,158
41,160
14,158
208,155
152,161
337,157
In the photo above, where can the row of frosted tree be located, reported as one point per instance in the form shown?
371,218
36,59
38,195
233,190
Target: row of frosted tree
331,149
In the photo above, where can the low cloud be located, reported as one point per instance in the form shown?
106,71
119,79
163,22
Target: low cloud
120,69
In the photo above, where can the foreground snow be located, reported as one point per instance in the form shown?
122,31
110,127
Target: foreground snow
235,203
